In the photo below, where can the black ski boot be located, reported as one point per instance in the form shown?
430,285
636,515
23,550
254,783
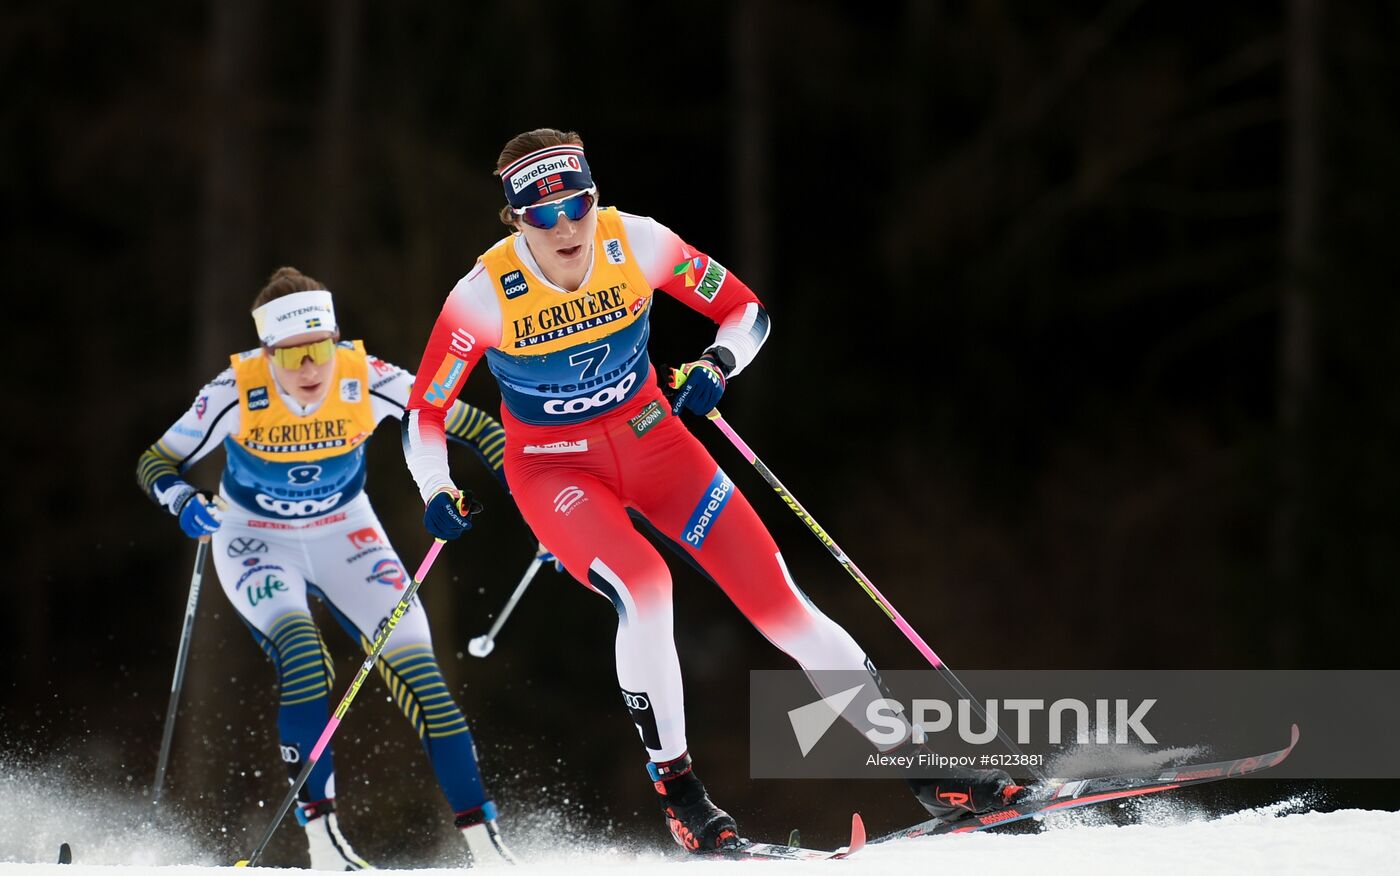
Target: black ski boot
964,792
696,823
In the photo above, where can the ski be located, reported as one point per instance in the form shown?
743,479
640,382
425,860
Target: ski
777,851
1055,795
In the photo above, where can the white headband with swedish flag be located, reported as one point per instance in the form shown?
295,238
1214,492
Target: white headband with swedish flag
295,314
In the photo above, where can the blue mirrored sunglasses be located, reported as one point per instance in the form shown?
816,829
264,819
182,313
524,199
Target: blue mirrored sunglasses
546,215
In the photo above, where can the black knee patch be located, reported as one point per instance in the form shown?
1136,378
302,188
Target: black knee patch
639,705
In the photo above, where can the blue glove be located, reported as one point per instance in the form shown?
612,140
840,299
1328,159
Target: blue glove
199,514
449,513
698,386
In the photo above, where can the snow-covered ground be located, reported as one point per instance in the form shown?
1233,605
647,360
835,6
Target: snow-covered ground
1268,840
113,835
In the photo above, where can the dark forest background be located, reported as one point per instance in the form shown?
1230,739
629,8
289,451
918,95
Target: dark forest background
1084,348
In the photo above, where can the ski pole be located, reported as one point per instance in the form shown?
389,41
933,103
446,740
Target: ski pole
483,645
885,605
182,657
375,650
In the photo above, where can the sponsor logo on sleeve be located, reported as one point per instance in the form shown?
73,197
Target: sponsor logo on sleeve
180,429
612,247
687,269
514,285
448,373
350,390
463,341
201,405
713,278
257,398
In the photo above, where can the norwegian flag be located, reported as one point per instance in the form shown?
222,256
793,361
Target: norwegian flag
550,184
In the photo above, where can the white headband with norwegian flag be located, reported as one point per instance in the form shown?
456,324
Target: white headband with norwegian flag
537,176
295,314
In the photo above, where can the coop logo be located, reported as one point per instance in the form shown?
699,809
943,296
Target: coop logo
711,504
603,397
568,499
613,248
295,508
350,390
514,284
257,398
242,547
388,573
